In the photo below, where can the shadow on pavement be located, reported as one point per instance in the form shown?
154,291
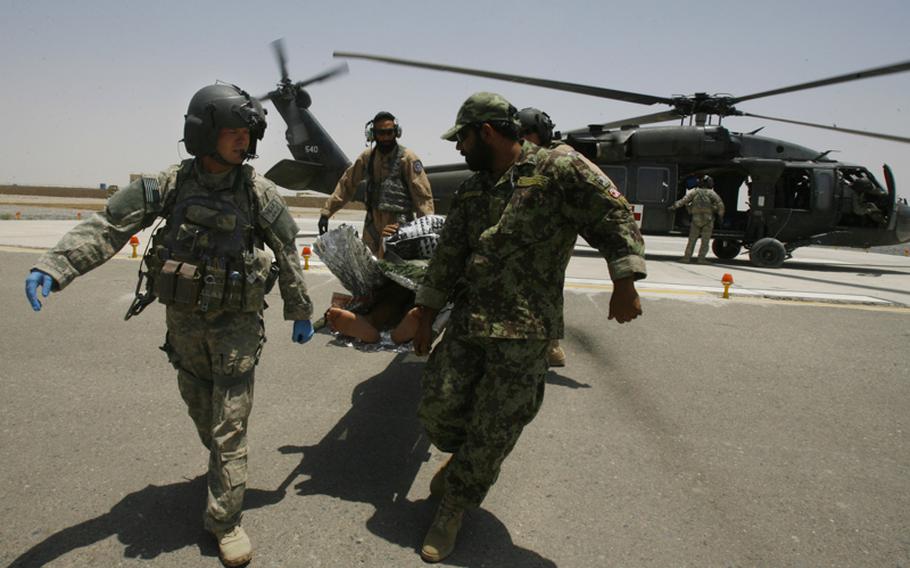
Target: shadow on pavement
149,522
373,454
557,379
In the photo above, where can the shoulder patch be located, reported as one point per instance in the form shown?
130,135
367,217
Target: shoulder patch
271,211
615,193
418,167
529,181
152,192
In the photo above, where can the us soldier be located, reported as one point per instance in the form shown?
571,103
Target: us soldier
537,128
208,265
703,203
389,178
501,258
865,194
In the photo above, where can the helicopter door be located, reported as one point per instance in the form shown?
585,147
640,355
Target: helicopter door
652,191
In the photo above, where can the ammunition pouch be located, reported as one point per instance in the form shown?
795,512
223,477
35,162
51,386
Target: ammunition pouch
213,285
178,283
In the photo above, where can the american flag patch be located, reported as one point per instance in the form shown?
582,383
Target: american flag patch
152,190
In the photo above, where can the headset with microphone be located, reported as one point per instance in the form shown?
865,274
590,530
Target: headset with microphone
370,134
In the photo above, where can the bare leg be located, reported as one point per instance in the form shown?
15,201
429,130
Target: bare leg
352,325
406,328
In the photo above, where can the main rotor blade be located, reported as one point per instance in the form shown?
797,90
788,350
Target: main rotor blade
546,83
644,119
875,72
278,47
337,70
891,137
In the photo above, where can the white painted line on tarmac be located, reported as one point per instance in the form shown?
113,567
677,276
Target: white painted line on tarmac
685,289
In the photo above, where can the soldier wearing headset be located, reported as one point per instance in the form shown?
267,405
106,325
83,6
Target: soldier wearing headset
388,177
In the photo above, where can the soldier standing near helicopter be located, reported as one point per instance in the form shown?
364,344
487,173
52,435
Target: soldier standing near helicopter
207,264
703,203
389,178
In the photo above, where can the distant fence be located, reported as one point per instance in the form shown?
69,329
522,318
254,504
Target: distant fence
51,191
310,201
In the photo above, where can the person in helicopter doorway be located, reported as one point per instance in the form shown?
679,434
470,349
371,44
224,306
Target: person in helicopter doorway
208,265
538,128
865,196
389,178
703,204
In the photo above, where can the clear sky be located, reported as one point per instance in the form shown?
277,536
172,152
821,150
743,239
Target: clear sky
94,90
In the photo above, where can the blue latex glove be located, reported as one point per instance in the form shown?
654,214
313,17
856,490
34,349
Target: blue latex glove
34,279
303,331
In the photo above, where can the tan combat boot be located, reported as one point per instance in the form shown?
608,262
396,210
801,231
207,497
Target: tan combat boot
556,356
440,539
234,547
438,483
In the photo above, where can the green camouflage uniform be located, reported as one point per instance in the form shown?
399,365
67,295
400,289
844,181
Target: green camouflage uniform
214,351
502,258
703,204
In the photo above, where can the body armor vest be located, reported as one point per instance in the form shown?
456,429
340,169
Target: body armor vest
208,253
391,194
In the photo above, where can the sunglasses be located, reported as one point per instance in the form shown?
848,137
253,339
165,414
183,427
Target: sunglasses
384,131
462,134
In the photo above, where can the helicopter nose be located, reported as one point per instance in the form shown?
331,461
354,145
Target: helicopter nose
902,227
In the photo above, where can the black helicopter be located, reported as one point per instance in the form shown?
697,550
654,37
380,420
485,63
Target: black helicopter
796,196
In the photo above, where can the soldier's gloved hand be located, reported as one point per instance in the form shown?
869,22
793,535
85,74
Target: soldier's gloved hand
35,279
323,224
303,331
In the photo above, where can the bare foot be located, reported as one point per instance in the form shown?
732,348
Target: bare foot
352,325
407,328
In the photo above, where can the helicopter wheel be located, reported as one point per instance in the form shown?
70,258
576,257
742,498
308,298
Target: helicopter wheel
726,248
768,253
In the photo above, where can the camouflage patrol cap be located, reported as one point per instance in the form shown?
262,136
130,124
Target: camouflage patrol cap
482,107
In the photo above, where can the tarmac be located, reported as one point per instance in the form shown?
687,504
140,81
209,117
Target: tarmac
813,274
768,429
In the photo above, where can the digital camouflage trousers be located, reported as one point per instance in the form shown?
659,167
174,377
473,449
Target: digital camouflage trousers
215,355
701,227
478,395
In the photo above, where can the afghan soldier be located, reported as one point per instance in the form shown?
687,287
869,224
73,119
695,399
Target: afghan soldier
207,264
501,258
537,128
388,178
703,204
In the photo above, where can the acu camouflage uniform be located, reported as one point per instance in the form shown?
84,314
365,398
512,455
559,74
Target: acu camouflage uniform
703,204
214,350
502,258
402,168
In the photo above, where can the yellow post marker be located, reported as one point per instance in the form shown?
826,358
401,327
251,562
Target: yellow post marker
134,242
78,215
305,253
18,215
727,281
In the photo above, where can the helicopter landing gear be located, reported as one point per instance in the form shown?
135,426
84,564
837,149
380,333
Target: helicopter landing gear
768,253
726,248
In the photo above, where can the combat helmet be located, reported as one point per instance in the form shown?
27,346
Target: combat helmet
218,106
535,120
706,181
